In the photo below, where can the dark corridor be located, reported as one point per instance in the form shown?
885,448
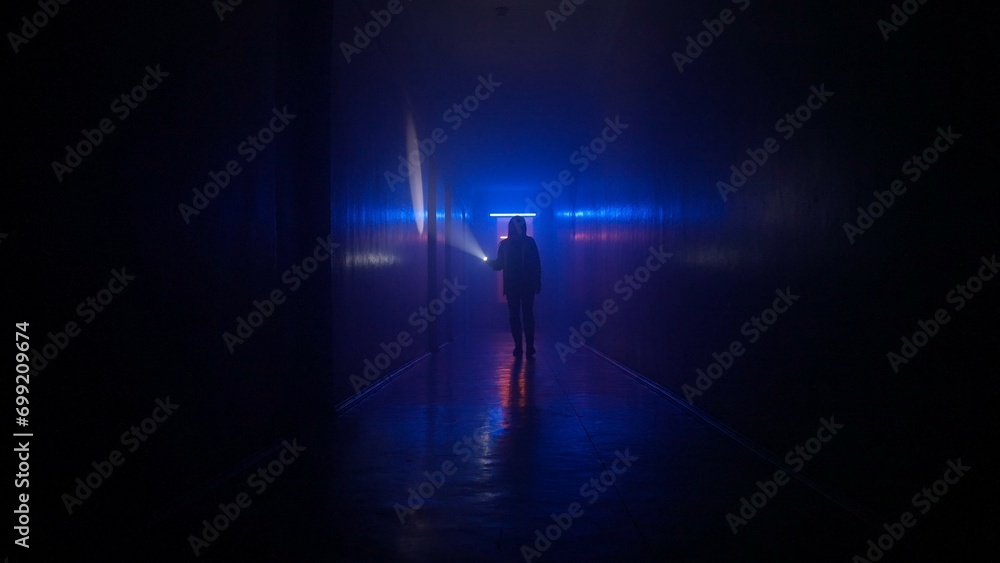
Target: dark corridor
244,245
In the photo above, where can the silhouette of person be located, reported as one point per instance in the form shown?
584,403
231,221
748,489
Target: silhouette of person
517,256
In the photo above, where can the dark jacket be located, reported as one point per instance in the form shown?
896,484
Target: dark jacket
522,268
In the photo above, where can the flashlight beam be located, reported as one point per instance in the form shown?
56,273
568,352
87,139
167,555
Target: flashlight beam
461,238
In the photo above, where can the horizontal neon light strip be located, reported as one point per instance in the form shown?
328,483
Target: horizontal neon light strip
511,214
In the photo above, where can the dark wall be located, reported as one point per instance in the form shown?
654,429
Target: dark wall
162,336
784,229
389,270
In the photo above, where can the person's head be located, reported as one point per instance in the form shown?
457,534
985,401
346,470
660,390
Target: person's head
517,228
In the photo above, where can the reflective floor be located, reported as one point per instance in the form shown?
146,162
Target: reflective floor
473,455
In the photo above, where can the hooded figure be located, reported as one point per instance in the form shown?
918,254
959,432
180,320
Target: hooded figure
517,256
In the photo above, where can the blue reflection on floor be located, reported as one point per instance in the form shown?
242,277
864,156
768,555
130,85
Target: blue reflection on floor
468,456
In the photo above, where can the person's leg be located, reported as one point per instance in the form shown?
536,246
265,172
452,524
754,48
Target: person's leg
528,309
514,307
